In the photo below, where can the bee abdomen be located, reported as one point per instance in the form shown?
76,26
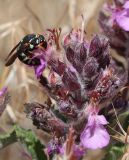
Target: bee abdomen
29,61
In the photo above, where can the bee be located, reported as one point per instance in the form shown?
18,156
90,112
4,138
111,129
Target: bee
24,50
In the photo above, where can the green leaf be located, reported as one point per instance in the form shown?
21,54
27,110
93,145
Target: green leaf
27,138
114,152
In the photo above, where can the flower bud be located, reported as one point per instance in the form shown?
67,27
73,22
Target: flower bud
44,119
70,80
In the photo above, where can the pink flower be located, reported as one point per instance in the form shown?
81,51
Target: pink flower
114,22
122,16
76,152
40,68
54,147
3,91
41,55
95,135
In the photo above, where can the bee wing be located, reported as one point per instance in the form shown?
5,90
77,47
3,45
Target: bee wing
11,60
12,56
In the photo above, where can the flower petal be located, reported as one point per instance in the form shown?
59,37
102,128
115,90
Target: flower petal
102,120
99,139
122,18
126,5
40,68
3,91
93,131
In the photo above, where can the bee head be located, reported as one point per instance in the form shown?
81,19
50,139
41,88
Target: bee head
42,41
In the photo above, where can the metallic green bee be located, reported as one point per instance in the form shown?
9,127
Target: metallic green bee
24,50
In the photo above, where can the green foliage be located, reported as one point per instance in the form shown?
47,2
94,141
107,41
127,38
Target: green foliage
125,120
27,138
114,152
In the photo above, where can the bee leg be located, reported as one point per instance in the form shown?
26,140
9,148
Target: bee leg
32,62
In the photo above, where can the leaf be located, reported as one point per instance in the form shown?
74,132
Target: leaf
114,152
27,138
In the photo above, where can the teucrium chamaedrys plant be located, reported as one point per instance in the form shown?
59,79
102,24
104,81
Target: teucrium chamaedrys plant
82,79
114,22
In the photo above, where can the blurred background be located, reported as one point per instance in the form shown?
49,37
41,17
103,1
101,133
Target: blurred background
21,17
